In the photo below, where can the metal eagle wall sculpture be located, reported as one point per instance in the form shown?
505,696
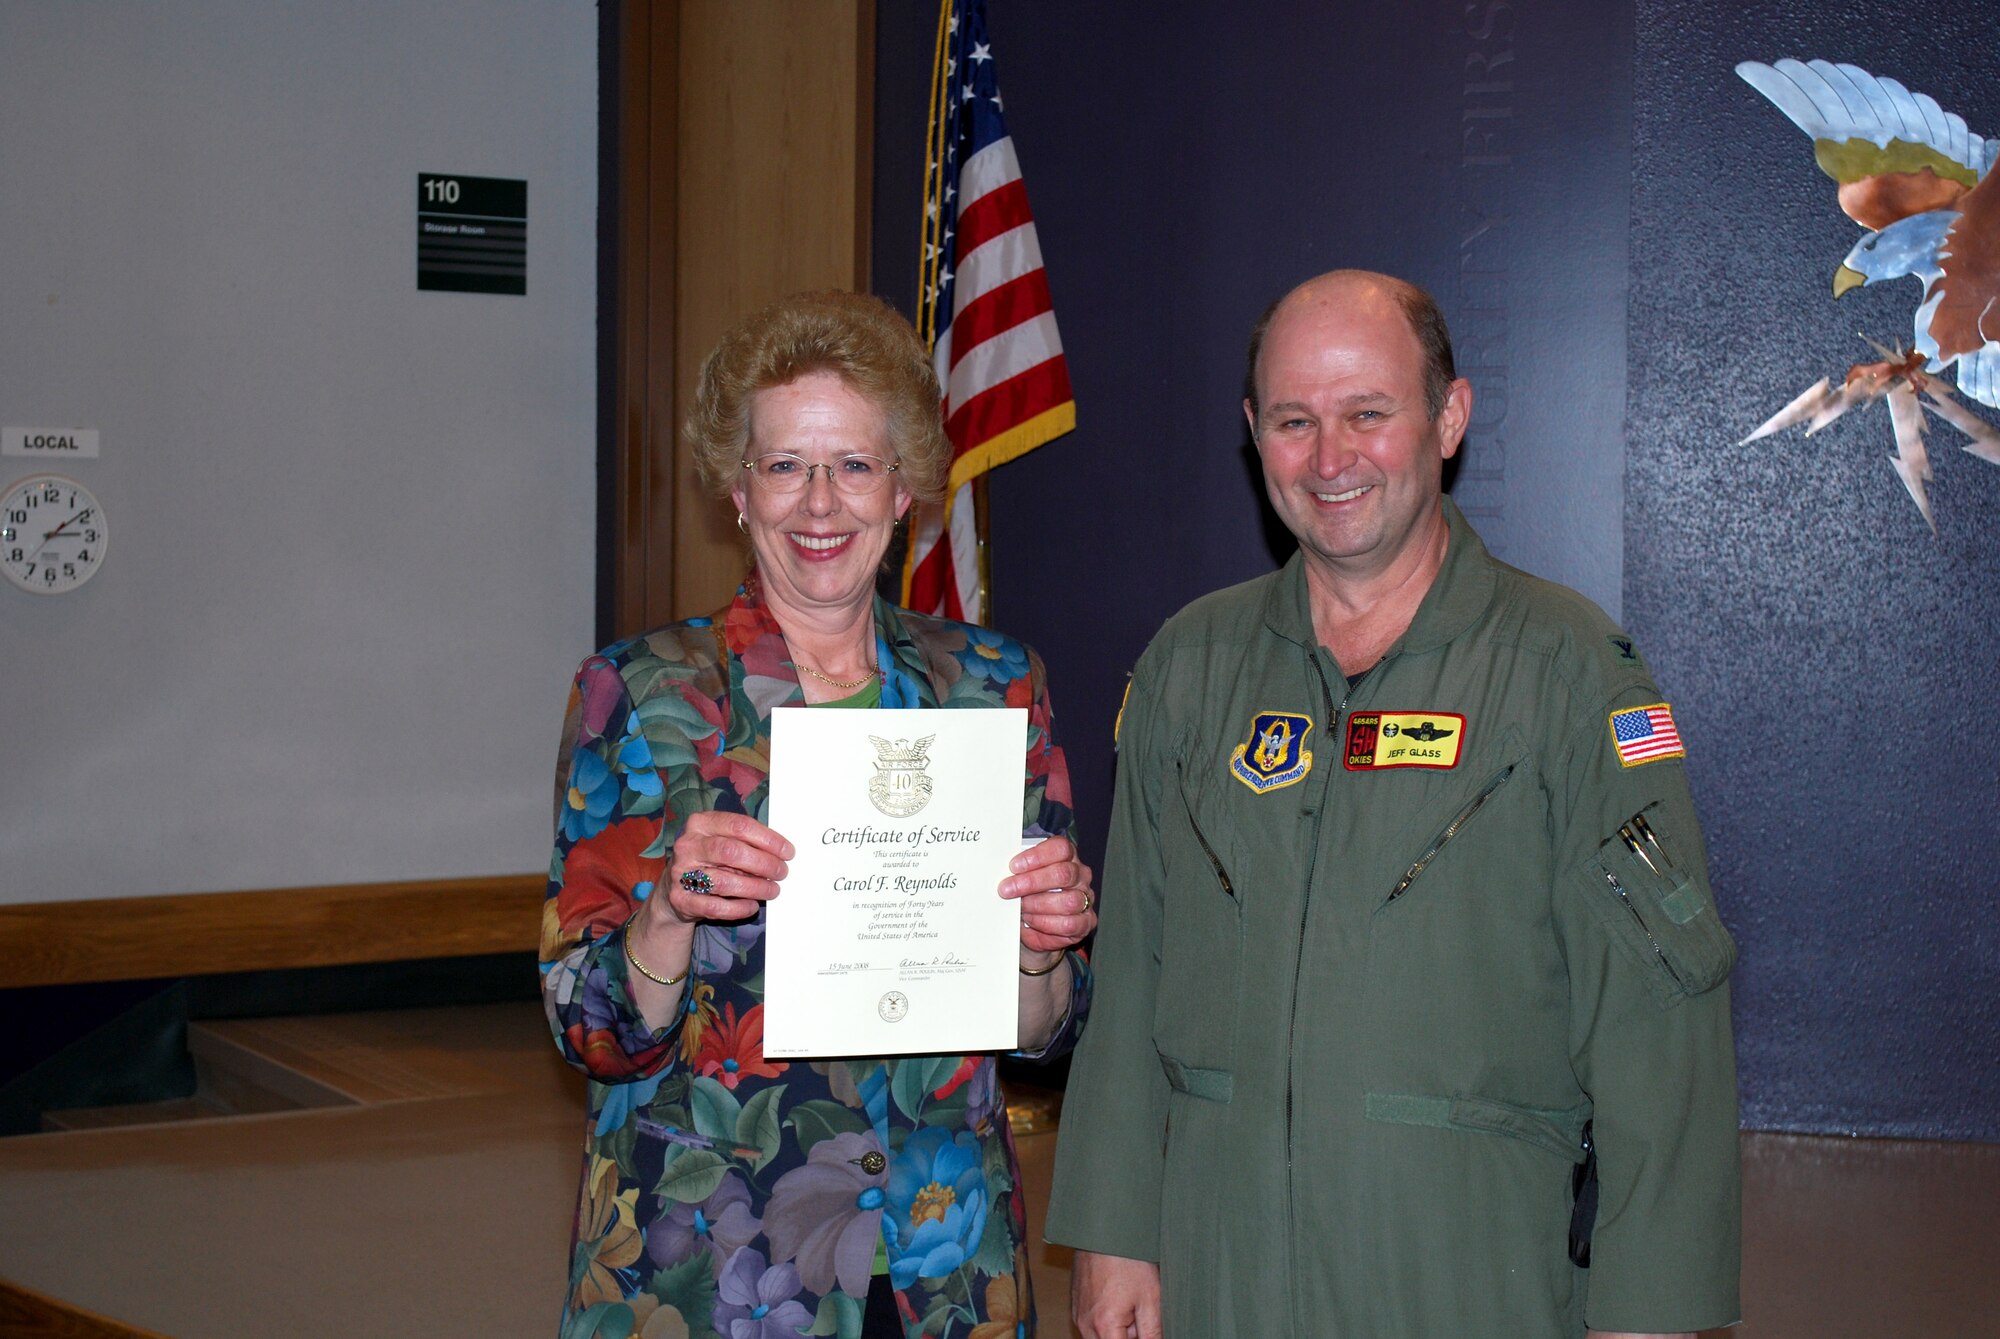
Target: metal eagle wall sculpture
1922,186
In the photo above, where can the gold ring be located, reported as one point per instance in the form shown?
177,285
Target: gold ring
1082,910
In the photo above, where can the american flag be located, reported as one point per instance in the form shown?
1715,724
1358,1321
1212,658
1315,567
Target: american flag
983,304
1646,734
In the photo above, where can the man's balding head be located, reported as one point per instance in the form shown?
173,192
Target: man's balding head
1427,324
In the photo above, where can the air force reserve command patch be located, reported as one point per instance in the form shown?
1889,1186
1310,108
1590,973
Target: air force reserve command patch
1275,754
1645,734
1378,739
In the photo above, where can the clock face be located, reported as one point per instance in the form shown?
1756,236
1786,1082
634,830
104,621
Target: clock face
52,534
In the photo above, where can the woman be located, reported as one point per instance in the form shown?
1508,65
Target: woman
722,1191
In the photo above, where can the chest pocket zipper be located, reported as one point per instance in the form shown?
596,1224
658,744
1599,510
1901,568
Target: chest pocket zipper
1221,874
1451,830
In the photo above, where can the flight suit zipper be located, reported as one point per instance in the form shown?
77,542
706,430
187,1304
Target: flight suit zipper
1451,830
1298,969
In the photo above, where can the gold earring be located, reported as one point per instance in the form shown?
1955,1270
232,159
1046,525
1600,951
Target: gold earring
742,523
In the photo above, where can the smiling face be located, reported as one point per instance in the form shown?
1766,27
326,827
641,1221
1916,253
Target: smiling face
818,549
1353,461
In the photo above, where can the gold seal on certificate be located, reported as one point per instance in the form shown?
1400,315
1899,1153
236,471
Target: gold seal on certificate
900,786
889,935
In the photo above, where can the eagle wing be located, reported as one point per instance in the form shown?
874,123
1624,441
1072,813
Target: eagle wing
1894,153
1898,155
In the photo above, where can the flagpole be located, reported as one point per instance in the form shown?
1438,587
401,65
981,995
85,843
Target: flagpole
985,552
930,245
929,257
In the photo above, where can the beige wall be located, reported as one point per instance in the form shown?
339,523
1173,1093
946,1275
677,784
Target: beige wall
348,518
744,128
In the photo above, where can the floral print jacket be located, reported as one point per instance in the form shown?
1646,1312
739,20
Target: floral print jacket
723,1193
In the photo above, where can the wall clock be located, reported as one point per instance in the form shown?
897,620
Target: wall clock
52,534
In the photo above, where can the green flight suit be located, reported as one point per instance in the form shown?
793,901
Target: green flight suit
1350,1022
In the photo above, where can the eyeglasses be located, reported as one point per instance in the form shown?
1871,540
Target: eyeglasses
782,473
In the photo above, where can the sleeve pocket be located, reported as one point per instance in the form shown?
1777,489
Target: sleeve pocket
1650,894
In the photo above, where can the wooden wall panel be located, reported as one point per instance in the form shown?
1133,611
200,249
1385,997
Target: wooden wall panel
134,938
776,116
27,1314
645,68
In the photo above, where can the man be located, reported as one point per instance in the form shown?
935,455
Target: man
1405,910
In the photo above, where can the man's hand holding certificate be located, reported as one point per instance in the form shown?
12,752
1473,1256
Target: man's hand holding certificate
890,937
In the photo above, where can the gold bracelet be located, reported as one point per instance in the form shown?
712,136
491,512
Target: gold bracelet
1044,971
648,972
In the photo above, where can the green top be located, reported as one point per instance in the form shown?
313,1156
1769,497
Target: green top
871,696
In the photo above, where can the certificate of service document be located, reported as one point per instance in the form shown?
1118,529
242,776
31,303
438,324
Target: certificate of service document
888,935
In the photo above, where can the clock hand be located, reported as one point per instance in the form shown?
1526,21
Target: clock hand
64,526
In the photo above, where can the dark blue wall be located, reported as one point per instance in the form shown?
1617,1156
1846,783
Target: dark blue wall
1834,666
1189,162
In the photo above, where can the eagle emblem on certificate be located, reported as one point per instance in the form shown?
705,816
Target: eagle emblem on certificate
900,786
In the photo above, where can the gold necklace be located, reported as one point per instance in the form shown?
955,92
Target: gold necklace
849,685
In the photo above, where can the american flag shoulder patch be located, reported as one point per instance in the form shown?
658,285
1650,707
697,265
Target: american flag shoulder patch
1645,734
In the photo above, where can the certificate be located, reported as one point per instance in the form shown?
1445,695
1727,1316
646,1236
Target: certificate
888,935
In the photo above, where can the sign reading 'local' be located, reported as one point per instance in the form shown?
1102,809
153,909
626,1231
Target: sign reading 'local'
49,443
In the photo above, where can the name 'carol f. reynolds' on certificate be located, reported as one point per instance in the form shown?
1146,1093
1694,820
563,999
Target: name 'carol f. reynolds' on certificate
888,935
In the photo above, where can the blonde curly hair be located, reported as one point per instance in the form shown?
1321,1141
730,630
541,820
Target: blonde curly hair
857,337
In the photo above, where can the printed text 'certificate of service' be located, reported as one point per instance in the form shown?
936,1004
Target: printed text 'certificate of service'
889,935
